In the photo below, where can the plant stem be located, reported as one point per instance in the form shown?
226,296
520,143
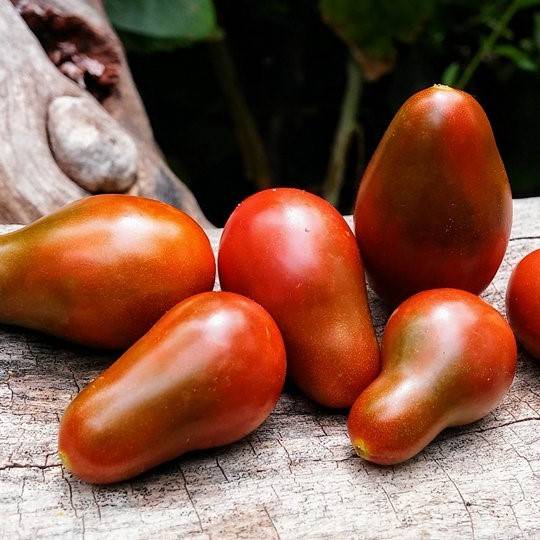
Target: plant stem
256,162
346,129
488,44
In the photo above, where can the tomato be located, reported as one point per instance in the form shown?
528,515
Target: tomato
523,302
434,207
294,254
448,359
103,270
207,374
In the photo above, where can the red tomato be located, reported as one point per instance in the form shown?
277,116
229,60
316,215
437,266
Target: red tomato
434,208
207,374
448,359
102,271
523,302
294,254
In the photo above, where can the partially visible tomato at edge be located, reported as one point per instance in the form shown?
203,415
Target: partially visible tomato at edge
523,302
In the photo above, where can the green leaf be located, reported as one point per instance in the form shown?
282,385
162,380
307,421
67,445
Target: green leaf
519,57
371,28
174,21
450,74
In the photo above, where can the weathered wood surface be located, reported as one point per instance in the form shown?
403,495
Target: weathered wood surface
296,476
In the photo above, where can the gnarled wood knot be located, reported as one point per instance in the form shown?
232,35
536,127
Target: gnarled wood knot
90,146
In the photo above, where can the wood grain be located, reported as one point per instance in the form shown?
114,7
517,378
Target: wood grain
296,476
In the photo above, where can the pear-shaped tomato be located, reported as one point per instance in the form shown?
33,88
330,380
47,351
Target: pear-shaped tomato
434,208
294,254
103,270
448,359
208,373
523,302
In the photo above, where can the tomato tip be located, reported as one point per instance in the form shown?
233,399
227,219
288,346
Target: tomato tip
360,448
64,460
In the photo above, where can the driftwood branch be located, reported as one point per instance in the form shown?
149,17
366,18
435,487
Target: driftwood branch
71,120
296,476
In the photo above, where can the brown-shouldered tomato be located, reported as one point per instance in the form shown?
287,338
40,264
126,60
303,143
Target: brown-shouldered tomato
208,373
103,270
434,208
448,359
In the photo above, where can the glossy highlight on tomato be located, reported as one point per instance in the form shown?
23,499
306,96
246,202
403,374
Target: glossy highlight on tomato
523,302
102,271
207,374
434,208
448,359
294,254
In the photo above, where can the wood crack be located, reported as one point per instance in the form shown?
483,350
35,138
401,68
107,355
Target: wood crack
194,506
491,428
28,466
465,503
515,238
278,536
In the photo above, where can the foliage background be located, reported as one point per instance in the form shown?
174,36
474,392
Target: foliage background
244,94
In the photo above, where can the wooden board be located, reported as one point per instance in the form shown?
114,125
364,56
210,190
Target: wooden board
296,476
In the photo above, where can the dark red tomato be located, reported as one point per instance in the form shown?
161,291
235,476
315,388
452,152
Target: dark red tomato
103,270
448,359
207,374
523,302
294,254
434,208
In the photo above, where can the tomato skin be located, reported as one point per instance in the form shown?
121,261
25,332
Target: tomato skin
294,254
523,302
448,359
102,271
208,373
434,208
